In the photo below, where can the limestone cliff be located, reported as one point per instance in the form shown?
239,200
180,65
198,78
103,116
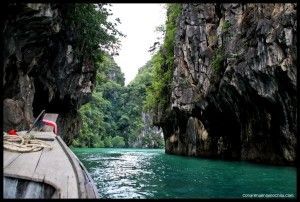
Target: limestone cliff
44,68
234,83
150,136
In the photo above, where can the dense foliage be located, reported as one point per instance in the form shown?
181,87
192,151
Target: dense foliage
113,118
158,93
141,132
94,33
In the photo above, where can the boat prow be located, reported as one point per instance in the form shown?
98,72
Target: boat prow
49,173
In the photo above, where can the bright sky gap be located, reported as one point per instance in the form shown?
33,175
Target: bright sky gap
138,23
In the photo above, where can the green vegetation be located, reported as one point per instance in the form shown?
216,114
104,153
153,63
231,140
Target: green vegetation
94,32
95,131
218,59
118,141
113,117
220,53
226,26
137,95
212,39
158,93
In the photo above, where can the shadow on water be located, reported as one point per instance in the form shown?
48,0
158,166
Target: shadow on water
150,173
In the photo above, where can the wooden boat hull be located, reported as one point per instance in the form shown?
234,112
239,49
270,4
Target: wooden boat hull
57,169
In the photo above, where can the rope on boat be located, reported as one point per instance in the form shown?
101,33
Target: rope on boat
23,144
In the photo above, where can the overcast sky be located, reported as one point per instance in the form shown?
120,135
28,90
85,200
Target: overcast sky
138,23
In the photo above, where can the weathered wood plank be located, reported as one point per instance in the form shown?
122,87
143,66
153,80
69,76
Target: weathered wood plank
56,169
38,134
12,184
77,169
90,186
72,186
53,167
90,190
51,117
24,166
9,157
86,184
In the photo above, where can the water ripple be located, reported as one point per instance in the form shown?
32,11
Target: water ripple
140,173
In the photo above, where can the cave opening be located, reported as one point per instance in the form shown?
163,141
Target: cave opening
223,126
229,129
40,100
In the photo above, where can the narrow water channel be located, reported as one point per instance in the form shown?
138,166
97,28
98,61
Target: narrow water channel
150,173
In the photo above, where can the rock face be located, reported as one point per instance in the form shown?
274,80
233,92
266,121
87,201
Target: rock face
234,83
43,68
150,136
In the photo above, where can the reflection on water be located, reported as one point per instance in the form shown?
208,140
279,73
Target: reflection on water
122,175
150,173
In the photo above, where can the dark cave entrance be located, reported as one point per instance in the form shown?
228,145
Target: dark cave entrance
40,101
225,128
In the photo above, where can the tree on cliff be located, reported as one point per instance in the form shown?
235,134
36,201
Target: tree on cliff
158,93
94,31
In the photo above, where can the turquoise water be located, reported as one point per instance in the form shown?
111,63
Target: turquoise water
150,173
